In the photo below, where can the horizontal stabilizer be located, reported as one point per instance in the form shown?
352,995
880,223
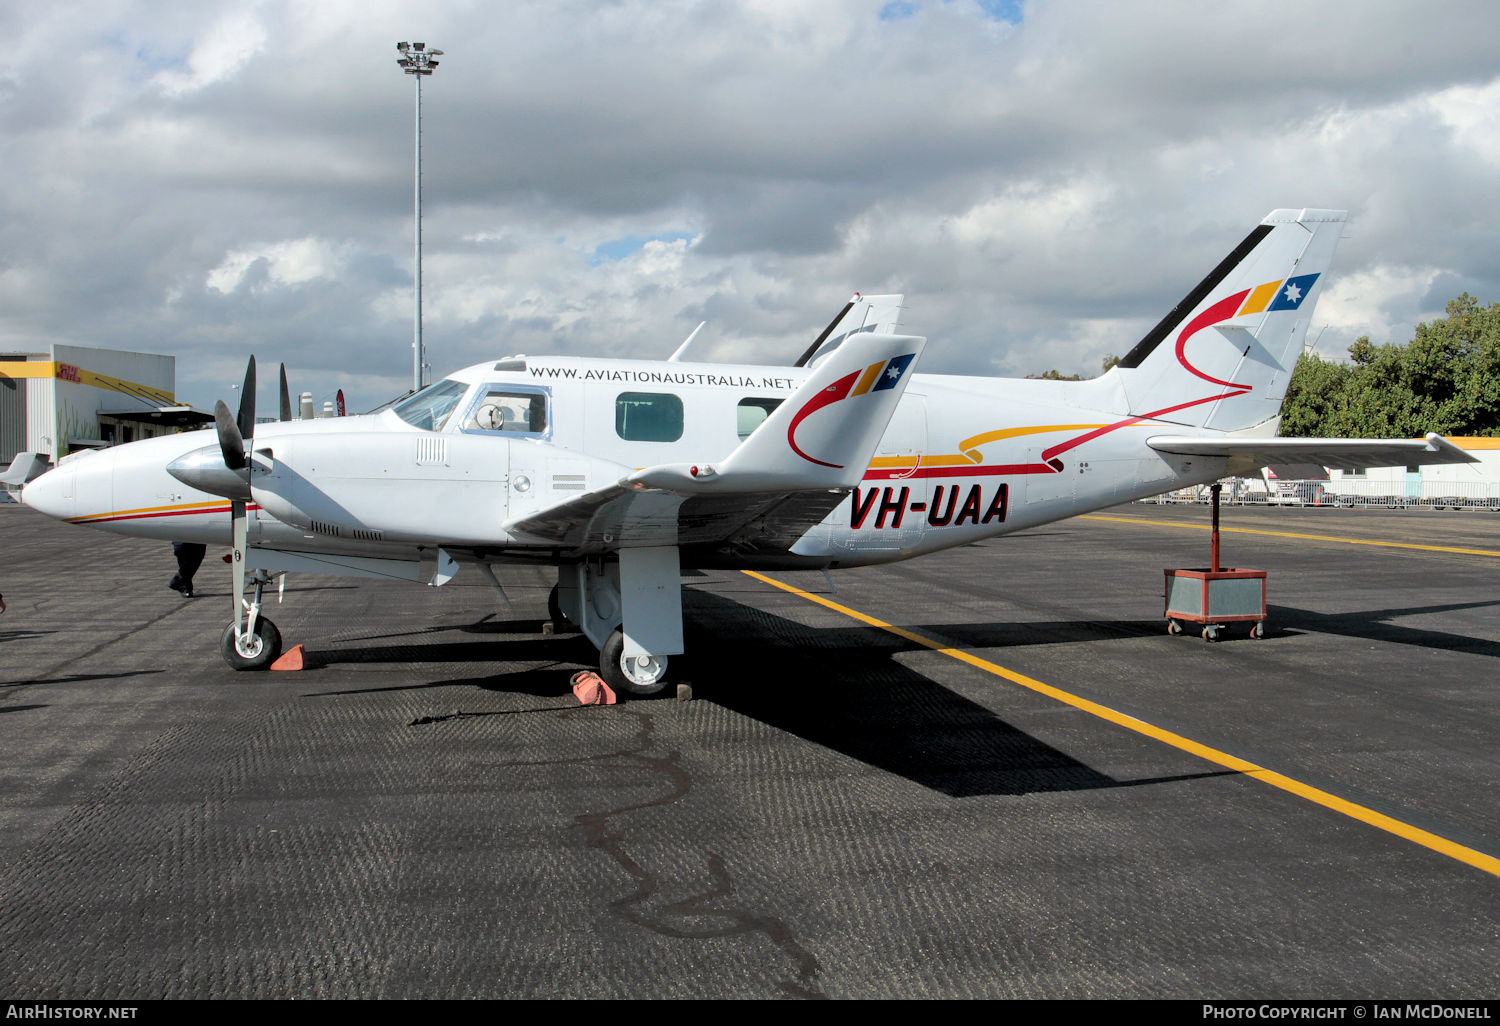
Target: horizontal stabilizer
1250,454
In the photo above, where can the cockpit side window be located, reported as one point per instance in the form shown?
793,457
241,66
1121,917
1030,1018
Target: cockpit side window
508,408
430,408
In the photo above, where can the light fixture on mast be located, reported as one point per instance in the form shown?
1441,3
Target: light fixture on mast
417,61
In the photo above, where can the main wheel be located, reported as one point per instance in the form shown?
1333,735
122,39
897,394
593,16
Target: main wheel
261,650
634,675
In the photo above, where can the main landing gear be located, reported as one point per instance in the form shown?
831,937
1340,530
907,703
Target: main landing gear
631,610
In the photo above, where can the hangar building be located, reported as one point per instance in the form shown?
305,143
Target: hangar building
73,398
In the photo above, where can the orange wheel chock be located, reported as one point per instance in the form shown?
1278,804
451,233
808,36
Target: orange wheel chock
295,659
589,688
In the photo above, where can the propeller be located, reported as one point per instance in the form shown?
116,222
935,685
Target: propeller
227,472
286,397
234,430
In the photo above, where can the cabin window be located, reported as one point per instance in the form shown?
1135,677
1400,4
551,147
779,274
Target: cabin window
430,408
508,408
648,417
749,414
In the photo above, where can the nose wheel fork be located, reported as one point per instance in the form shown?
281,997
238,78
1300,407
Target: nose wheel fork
257,644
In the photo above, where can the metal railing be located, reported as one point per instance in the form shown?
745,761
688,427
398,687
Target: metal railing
1347,494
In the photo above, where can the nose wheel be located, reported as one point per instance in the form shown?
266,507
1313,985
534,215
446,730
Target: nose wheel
255,650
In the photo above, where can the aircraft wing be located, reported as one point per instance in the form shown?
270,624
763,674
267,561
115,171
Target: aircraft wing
1246,455
792,470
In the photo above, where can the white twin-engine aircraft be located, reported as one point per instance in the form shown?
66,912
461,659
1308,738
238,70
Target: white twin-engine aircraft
623,473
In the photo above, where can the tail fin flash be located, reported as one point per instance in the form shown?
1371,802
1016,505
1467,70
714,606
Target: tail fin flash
1222,358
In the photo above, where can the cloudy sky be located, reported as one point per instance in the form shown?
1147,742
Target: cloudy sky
1042,179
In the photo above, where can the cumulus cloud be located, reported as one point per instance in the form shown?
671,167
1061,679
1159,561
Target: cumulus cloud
1042,179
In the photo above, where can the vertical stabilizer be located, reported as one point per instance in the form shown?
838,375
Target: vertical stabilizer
1222,358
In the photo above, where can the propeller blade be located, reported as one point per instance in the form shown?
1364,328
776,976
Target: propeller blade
246,419
231,442
286,397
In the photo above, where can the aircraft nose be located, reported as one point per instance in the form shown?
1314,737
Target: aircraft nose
51,493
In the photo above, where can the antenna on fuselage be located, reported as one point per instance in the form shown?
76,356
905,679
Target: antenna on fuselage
684,347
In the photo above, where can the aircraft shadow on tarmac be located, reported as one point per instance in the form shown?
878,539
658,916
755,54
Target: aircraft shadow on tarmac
842,689
75,678
1375,625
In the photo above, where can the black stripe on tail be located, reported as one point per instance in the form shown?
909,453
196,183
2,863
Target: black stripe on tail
1143,348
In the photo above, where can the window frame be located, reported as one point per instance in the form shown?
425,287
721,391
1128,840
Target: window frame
483,392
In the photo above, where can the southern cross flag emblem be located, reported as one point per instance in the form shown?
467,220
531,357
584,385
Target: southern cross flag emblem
883,375
1292,292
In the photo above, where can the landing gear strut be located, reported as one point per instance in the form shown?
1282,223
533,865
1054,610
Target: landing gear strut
630,609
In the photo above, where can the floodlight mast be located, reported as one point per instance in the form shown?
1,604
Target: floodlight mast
417,61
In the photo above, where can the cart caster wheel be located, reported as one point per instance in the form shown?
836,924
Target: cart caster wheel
1173,627
1210,634
1258,631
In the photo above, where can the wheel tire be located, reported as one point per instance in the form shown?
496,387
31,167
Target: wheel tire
1173,627
632,676
1210,634
1258,631
266,636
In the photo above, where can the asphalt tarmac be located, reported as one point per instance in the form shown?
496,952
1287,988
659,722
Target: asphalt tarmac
1028,789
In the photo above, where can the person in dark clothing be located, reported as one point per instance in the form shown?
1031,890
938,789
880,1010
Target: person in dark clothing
189,558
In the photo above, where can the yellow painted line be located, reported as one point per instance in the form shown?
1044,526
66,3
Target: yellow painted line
1477,859
1289,534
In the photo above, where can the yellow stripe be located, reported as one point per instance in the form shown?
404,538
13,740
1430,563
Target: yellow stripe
78,375
1289,534
888,462
174,507
146,392
868,378
968,445
1259,299
1477,859
28,369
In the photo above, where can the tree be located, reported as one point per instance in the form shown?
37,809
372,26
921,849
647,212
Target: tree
1446,379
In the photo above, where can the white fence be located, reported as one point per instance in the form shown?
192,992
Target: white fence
1346,493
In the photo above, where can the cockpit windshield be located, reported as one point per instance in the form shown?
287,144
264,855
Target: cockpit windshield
430,408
